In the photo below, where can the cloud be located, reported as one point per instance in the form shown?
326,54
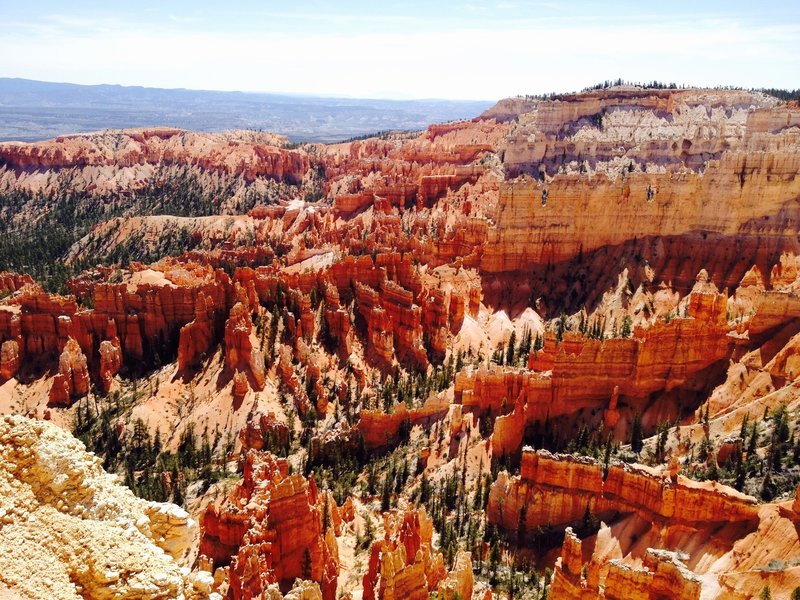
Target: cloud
519,56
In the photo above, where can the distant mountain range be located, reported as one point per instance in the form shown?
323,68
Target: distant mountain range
35,110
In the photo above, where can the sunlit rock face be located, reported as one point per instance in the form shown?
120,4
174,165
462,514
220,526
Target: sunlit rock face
70,531
362,297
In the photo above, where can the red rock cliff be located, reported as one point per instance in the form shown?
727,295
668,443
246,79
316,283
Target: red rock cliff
270,529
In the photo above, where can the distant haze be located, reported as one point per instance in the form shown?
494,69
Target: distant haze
35,110
466,49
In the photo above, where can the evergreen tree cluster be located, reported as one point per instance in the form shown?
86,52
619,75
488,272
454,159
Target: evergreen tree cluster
150,471
39,229
517,355
765,461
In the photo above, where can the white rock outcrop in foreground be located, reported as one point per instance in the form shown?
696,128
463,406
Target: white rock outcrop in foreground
69,531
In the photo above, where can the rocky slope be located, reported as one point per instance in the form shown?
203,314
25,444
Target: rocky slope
273,528
612,275
69,530
98,156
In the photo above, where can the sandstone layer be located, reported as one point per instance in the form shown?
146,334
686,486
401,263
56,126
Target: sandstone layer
721,534
270,530
354,306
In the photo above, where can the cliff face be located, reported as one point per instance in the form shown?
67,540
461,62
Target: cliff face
63,519
611,167
381,430
404,564
580,374
530,230
559,189
270,530
378,283
248,154
665,511
557,489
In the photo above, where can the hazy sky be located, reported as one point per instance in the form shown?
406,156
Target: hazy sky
411,49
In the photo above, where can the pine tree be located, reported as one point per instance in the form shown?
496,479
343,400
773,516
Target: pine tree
369,532
326,514
751,445
781,426
561,327
739,473
775,454
424,489
767,488
477,498
606,458
705,449
525,347
627,326
459,360
521,524
661,445
386,493
157,443
636,434
510,351
500,354
486,489
494,560
796,452
205,451
538,344
177,492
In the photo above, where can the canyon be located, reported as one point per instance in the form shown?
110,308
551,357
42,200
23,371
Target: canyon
551,351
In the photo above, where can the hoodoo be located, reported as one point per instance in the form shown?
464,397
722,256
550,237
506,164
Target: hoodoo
551,351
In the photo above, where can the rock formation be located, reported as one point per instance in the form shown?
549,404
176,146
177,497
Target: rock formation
404,564
110,357
270,530
557,490
662,575
641,241
197,336
249,154
68,531
580,373
240,354
10,359
72,380
459,582
664,512
132,323
379,429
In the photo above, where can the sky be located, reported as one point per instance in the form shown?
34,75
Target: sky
412,49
